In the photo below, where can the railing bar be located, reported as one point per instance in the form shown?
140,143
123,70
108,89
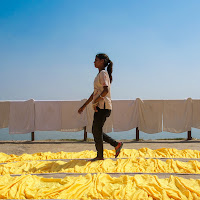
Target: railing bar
32,136
189,135
85,134
137,134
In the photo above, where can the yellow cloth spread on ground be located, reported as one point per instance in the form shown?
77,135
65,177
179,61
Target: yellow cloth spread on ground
125,153
99,186
106,166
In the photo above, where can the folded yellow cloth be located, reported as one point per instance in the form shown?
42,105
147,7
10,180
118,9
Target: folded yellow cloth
125,153
106,166
99,186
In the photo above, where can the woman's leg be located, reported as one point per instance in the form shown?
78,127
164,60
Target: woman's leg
112,142
99,136
97,127
109,140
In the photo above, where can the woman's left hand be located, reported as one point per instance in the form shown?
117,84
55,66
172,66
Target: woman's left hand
94,105
80,110
95,109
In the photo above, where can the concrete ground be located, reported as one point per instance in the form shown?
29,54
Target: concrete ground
20,147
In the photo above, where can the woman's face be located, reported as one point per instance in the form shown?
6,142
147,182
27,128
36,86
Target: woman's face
98,63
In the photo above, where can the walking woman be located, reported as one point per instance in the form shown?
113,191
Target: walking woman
102,105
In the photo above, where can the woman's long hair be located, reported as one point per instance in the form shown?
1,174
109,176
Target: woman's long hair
107,63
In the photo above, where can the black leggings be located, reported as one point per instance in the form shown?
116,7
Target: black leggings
97,130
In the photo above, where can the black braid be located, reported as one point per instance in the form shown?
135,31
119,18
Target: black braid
107,63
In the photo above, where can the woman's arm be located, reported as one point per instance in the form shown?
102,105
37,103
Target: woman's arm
85,104
102,95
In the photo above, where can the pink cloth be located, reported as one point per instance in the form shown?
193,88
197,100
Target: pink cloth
4,114
125,115
21,118
71,120
47,115
177,115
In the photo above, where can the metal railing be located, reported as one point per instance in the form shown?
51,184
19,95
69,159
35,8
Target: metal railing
189,135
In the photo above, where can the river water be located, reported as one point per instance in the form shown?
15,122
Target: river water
129,135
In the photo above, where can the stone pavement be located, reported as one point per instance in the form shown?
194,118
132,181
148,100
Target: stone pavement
20,147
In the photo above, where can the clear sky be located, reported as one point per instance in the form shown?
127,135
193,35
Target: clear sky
47,48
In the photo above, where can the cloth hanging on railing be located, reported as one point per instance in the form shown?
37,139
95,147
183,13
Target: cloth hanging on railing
4,114
150,115
47,115
177,115
196,113
72,121
21,117
125,115
107,128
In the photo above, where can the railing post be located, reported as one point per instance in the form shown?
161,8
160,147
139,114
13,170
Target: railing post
137,134
32,136
189,135
85,134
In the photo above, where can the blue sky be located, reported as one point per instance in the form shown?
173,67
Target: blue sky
47,48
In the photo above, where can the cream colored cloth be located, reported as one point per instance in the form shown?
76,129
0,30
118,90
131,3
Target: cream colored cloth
125,115
4,114
71,119
47,115
196,113
177,115
21,118
107,128
150,115
102,79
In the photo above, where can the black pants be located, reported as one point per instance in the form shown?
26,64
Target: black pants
97,130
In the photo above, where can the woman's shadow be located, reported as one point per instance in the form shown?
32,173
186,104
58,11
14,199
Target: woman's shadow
58,166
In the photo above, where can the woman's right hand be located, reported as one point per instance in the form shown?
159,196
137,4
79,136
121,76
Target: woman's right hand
81,109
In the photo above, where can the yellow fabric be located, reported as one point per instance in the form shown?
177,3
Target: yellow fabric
125,153
100,186
106,166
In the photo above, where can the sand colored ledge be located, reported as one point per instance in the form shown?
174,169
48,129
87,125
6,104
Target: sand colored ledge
133,165
125,153
99,186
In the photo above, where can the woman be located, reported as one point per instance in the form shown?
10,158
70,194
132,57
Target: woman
102,105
